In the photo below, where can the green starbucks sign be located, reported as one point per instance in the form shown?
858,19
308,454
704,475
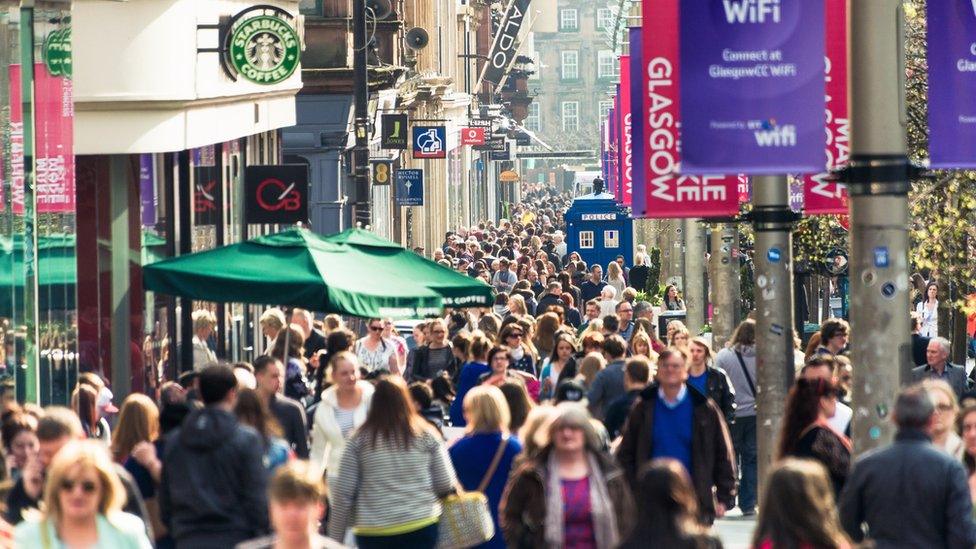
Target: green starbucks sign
263,49
56,52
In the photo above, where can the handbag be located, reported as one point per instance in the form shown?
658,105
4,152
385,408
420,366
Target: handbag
465,518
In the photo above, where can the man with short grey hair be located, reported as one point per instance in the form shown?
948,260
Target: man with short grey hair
938,367
909,494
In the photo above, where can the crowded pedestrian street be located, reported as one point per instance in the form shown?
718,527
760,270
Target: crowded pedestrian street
524,274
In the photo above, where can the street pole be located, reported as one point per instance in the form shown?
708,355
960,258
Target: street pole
694,258
773,222
725,287
878,180
360,152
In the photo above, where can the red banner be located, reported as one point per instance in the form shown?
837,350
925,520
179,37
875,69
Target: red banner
54,168
473,136
819,195
669,195
625,150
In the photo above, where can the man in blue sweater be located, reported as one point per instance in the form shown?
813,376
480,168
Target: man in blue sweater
674,420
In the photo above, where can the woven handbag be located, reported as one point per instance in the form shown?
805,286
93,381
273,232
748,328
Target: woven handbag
465,518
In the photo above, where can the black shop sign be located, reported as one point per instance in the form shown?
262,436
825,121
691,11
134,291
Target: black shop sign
276,194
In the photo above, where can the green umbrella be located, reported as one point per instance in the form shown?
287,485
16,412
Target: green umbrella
352,273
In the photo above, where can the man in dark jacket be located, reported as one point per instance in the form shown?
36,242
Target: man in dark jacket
920,343
214,486
637,373
938,367
270,377
674,421
551,297
909,494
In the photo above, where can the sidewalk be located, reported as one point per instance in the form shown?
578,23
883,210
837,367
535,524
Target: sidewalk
735,530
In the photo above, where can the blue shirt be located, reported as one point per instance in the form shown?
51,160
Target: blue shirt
471,457
672,429
698,382
468,379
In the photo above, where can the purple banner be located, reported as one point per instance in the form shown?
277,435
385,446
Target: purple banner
612,149
952,83
796,195
638,202
147,190
752,86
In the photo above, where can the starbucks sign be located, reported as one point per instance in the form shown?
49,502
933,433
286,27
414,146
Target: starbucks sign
263,48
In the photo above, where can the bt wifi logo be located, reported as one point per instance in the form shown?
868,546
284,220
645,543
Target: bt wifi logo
755,11
769,134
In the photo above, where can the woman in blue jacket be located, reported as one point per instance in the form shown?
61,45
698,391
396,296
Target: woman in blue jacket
483,457
471,374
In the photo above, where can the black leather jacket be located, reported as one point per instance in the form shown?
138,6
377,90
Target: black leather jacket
719,389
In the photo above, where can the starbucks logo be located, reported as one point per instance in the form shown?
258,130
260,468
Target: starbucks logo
264,49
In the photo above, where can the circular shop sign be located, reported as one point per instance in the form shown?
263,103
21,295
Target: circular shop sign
264,49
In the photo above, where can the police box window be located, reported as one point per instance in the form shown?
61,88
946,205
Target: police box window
611,239
586,240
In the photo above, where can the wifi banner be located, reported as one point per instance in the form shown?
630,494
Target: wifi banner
752,86
666,193
952,83
821,196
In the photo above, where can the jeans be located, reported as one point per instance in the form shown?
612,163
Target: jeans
425,538
744,441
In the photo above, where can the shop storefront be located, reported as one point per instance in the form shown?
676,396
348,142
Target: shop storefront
168,111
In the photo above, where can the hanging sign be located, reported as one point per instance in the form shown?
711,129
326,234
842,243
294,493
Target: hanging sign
393,131
505,43
473,136
614,120
625,151
409,187
952,83
667,194
147,190
504,154
638,203
276,194
56,52
821,196
205,182
382,172
262,45
752,93
429,142
796,195
493,144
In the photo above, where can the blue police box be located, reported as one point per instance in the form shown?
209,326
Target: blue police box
599,229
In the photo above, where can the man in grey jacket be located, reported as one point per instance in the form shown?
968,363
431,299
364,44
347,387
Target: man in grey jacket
739,362
909,494
938,367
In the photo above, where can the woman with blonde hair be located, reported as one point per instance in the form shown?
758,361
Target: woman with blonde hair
483,457
516,305
943,430
589,367
571,494
615,277
83,501
678,335
138,422
640,345
799,484
343,408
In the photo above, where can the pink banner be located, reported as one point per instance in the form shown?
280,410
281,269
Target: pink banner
819,195
54,168
626,150
669,195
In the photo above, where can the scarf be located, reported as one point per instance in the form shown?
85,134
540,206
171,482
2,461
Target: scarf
601,510
517,353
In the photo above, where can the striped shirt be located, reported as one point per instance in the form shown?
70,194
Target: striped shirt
385,491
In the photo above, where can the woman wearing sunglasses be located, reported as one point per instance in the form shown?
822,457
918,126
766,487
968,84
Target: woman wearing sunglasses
83,505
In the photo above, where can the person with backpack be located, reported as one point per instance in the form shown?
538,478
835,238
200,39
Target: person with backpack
739,362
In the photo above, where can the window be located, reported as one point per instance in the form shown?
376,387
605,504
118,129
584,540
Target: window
606,66
533,122
569,19
605,107
569,68
570,116
586,240
604,18
611,239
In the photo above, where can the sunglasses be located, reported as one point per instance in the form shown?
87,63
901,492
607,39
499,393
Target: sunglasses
87,486
376,328
515,334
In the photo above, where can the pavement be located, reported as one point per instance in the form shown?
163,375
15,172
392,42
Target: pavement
735,530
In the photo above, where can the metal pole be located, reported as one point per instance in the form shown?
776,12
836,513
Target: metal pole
694,259
360,151
773,222
878,178
31,320
725,290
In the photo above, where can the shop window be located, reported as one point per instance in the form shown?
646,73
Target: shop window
586,240
611,239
